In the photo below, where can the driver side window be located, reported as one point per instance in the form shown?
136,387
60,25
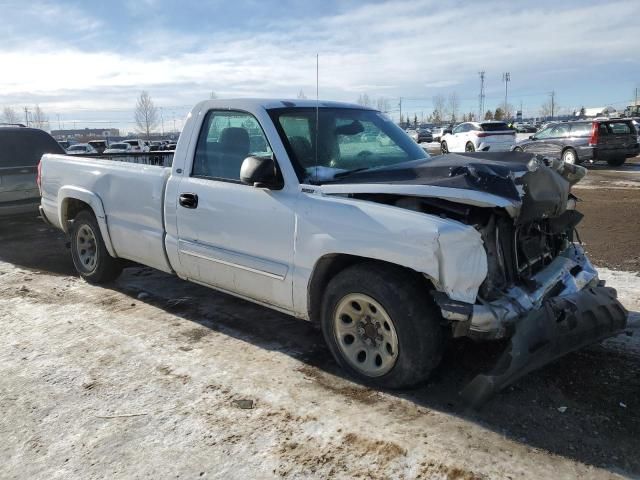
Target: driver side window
546,133
458,129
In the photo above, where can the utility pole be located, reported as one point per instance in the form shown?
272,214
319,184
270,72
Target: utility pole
553,103
59,128
161,122
400,111
26,116
506,78
481,106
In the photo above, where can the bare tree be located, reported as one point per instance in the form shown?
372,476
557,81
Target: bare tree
488,115
547,111
10,115
301,95
364,100
439,110
146,114
383,104
454,103
39,119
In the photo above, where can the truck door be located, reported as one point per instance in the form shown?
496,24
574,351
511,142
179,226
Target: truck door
232,236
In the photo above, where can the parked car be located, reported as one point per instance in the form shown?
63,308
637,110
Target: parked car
524,127
476,136
390,251
81,149
64,143
137,145
99,145
424,135
120,147
413,134
20,151
610,140
439,132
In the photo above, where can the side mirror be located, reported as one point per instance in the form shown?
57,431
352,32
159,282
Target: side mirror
447,130
532,137
261,172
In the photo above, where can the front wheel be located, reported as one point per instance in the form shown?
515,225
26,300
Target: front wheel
89,253
569,156
381,327
518,149
444,148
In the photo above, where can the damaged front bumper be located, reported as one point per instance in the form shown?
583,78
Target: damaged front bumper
565,308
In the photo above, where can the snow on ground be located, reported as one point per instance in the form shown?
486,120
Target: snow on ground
628,286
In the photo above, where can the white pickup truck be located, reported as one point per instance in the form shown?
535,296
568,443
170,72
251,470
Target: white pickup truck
298,206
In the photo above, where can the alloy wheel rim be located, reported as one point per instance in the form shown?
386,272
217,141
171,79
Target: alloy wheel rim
86,248
570,158
365,334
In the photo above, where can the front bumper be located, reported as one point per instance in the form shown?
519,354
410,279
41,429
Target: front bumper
569,308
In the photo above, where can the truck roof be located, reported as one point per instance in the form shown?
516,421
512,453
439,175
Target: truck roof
271,103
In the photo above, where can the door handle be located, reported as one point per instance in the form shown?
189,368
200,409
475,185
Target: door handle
188,200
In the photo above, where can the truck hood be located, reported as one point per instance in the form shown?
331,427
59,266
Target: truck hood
526,185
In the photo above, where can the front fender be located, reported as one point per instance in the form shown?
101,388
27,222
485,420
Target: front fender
68,192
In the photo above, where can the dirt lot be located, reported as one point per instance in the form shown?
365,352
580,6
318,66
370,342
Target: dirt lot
157,378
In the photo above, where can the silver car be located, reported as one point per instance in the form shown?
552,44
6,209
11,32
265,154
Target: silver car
20,152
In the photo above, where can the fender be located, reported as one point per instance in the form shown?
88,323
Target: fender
68,192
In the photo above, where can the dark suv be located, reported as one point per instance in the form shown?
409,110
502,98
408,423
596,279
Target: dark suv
611,140
20,152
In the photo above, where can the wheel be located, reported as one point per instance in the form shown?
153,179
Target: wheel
444,148
518,149
569,156
469,147
381,326
616,162
90,256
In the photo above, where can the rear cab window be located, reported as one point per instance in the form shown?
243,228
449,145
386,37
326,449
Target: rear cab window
618,128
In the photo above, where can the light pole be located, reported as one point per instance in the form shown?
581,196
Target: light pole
506,78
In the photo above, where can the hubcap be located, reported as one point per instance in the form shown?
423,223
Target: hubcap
365,335
569,157
86,248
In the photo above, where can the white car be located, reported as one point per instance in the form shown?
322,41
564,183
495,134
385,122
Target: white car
137,145
81,149
479,137
390,251
120,147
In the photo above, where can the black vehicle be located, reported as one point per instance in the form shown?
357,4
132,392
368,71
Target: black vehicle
99,145
611,140
20,152
424,135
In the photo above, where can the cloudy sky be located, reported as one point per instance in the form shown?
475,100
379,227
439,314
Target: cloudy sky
87,61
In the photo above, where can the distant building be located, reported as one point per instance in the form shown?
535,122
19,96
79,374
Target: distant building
85,134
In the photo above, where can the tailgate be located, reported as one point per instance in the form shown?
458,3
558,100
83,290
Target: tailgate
615,136
18,183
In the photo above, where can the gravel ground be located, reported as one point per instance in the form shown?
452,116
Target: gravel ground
153,377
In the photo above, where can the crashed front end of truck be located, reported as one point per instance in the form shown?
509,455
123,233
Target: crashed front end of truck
540,290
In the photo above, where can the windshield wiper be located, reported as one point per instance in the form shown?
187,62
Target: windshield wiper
349,172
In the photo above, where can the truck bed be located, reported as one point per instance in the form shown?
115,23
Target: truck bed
131,196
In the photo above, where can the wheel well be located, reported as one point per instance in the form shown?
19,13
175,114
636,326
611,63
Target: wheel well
71,207
569,148
330,265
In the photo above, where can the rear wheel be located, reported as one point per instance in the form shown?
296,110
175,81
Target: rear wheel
569,156
617,161
381,327
469,147
518,149
444,148
89,253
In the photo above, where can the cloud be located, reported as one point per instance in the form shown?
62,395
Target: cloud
414,48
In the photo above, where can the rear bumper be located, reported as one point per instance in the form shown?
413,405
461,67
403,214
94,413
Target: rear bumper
495,147
19,208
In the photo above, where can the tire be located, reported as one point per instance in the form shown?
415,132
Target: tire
89,253
518,149
617,161
469,147
443,148
570,156
397,327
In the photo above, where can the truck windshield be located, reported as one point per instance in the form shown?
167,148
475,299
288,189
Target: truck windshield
347,140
